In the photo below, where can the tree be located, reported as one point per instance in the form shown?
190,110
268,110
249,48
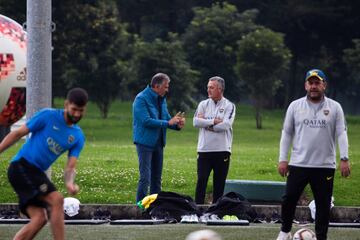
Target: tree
150,20
351,58
167,57
315,31
210,41
15,10
92,48
262,57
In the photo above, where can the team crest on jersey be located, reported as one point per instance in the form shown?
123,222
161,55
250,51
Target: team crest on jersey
71,139
221,110
326,112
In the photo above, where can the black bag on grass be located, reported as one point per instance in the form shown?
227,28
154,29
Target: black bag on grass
171,206
232,203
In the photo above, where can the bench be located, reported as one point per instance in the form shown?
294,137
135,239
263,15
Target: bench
257,191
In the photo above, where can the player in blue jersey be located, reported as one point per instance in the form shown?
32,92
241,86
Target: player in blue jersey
53,132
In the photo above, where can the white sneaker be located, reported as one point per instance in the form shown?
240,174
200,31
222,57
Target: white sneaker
284,236
194,218
185,219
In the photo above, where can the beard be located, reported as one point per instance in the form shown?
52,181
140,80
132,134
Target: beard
73,119
315,96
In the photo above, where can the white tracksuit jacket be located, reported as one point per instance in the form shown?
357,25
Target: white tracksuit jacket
215,138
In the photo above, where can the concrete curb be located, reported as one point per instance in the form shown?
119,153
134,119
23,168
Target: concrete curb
131,211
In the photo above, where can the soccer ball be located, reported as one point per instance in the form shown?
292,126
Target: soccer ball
205,234
71,206
304,234
12,71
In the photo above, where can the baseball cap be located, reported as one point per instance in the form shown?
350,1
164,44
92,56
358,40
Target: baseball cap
315,73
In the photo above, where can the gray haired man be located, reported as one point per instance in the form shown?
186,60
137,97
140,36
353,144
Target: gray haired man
214,118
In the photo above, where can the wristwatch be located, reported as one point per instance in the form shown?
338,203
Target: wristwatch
344,159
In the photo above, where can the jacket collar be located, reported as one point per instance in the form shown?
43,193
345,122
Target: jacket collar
217,102
153,94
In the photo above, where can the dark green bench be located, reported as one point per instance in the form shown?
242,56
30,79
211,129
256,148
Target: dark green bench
257,191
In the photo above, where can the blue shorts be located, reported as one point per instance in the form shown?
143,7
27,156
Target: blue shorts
29,183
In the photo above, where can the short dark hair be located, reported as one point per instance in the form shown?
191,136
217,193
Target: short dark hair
78,96
158,79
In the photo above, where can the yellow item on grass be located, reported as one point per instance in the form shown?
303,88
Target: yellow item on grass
145,203
230,218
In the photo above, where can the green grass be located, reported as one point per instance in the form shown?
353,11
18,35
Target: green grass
171,231
108,166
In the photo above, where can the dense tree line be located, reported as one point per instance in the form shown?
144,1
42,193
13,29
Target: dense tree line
262,48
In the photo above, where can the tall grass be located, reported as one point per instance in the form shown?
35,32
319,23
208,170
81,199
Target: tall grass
108,166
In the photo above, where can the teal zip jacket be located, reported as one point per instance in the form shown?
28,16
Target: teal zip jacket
147,126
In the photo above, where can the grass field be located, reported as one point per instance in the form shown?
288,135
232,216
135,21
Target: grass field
108,167
171,231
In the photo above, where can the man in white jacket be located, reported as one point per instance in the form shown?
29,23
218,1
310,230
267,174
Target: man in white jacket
312,125
214,118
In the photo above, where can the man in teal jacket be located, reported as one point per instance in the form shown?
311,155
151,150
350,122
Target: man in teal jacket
151,118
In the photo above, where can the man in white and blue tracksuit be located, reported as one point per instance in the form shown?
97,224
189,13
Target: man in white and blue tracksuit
214,118
151,118
312,125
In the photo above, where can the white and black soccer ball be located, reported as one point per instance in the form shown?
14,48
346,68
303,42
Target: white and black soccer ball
304,234
71,206
12,71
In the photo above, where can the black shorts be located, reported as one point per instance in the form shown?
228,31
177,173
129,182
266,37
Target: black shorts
29,183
